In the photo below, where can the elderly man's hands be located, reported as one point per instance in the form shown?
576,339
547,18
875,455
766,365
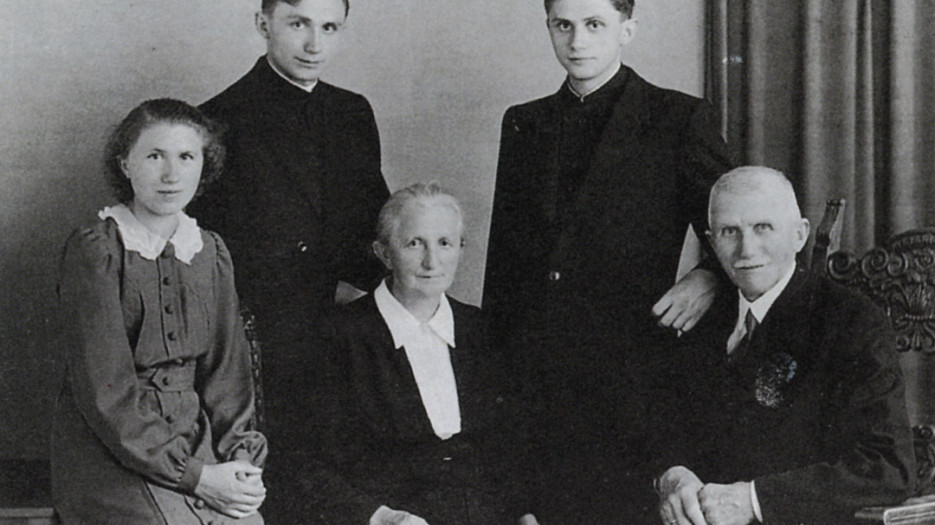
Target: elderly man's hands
727,504
387,516
686,302
678,491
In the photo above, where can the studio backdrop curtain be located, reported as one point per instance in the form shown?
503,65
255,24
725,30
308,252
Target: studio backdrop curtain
840,95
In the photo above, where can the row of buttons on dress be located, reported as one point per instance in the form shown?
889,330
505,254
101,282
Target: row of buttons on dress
167,253
167,380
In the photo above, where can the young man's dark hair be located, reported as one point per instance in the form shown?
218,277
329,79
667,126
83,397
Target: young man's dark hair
624,6
268,5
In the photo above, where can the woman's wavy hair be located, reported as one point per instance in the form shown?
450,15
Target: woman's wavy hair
161,111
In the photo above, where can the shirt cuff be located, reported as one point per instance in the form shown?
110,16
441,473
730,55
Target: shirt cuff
755,502
192,475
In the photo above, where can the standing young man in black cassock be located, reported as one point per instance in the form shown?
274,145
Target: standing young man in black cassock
596,186
297,203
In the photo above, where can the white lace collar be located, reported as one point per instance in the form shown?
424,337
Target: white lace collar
138,238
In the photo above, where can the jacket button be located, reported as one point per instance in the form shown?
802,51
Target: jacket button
169,309
170,418
555,275
166,281
301,246
171,336
199,504
166,380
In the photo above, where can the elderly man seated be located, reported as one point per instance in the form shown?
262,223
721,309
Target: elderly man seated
790,398
421,429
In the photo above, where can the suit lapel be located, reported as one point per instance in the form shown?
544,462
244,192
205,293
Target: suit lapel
413,420
464,365
405,410
781,339
550,129
314,113
786,327
289,116
618,150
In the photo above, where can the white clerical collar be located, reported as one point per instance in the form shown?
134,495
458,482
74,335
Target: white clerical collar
763,303
307,89
405,327
581,96
138,238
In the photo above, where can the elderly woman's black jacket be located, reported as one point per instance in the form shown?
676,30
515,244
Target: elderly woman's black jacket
381,449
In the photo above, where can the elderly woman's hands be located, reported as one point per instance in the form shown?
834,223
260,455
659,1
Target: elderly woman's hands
234,488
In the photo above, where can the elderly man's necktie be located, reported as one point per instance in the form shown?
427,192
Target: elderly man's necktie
749,324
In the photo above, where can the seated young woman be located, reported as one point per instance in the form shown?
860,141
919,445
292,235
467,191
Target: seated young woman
152,425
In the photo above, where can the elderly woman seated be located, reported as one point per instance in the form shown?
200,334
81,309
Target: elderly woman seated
421,430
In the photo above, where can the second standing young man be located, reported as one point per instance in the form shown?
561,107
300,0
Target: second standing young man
296,205
596,185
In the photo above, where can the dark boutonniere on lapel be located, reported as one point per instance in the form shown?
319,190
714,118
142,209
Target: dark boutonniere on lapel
772,378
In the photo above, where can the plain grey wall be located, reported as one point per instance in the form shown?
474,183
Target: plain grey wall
439,73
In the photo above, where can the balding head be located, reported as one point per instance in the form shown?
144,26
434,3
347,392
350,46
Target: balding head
756,227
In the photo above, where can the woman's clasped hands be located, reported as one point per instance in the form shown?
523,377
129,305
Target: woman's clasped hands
234,488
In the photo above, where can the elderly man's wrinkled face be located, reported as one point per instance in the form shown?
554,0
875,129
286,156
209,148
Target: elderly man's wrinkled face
756,235
424,250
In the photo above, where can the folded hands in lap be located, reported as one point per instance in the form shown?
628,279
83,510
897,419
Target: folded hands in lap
685,500
727,504
234,488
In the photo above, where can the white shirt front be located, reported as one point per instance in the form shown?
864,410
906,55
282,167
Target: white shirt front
759,307
427,348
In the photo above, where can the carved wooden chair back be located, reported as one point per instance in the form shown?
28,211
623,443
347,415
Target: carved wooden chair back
828,235
899,276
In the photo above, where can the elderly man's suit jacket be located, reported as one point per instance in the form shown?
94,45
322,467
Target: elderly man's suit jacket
381,448
813,411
